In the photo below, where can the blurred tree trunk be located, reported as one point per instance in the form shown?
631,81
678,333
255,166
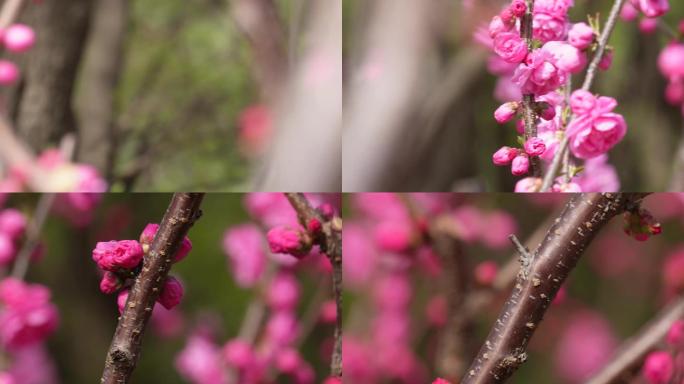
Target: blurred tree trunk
44,105
101,72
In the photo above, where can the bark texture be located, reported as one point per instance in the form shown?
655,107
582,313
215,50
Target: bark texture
124,351
540,279
44,103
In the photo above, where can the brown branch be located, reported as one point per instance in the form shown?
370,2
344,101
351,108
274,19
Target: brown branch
631,354
124,351
331,245
588,81
529,115
455,345
505,348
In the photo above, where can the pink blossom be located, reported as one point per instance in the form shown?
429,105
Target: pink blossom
166,323
359,258
200,362
328,313
33,365
506,112
598,176
28,315
563,187
486,272
671,61
658,367
675,335
510,47
535,146
581,35
282,328
469,221
113,255
12,222
673,271
548,111
506,89
550,20
628,12
393,292
497,26
597,131
19,38
567,58
520,165
648,26
9,73
394,236
110,283
528,184
147,237
283,292
245,249
290,240
498,225
121,300
271,209
7,249
504,156
652,8
288,360
586,345
539,74
606,60
171,293
518,7
582,102
238,353
674,92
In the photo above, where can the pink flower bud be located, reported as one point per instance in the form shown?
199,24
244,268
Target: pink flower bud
394,236
520,165
171,294
288,361
110,283
518,8
606,60
113,255
658,367
9,73
147,237
506,112
628,12
648,26
283,292
548,111
293,241
19,38
504,156
486,272
314,225
581,35
238,353
671,61
282,328
675,336
535,146
7,249
13,223
652,8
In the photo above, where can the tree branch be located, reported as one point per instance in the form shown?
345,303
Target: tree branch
529,116
630,355
505,348
124,351
588,81
331,245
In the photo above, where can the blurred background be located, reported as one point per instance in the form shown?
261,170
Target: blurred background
419,100
214,304
168,95
397,285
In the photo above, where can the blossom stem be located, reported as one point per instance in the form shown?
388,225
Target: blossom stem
529,115
21,264
505,348
124,351
588,81
629,356
331,245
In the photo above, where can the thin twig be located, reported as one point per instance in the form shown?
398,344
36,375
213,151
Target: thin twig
124,351
529,115
588,81
505,348
32,235
631,353
331,246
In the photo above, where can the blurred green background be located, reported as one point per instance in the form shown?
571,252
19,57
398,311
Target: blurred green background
88,317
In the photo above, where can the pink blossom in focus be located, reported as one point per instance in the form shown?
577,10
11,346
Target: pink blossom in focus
510,47
581,35
535,146
520,165
596,131
113,255
585,346
506,112
171,293
245,249
110,283
567,58
504,156
290,240
150,231
539,74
